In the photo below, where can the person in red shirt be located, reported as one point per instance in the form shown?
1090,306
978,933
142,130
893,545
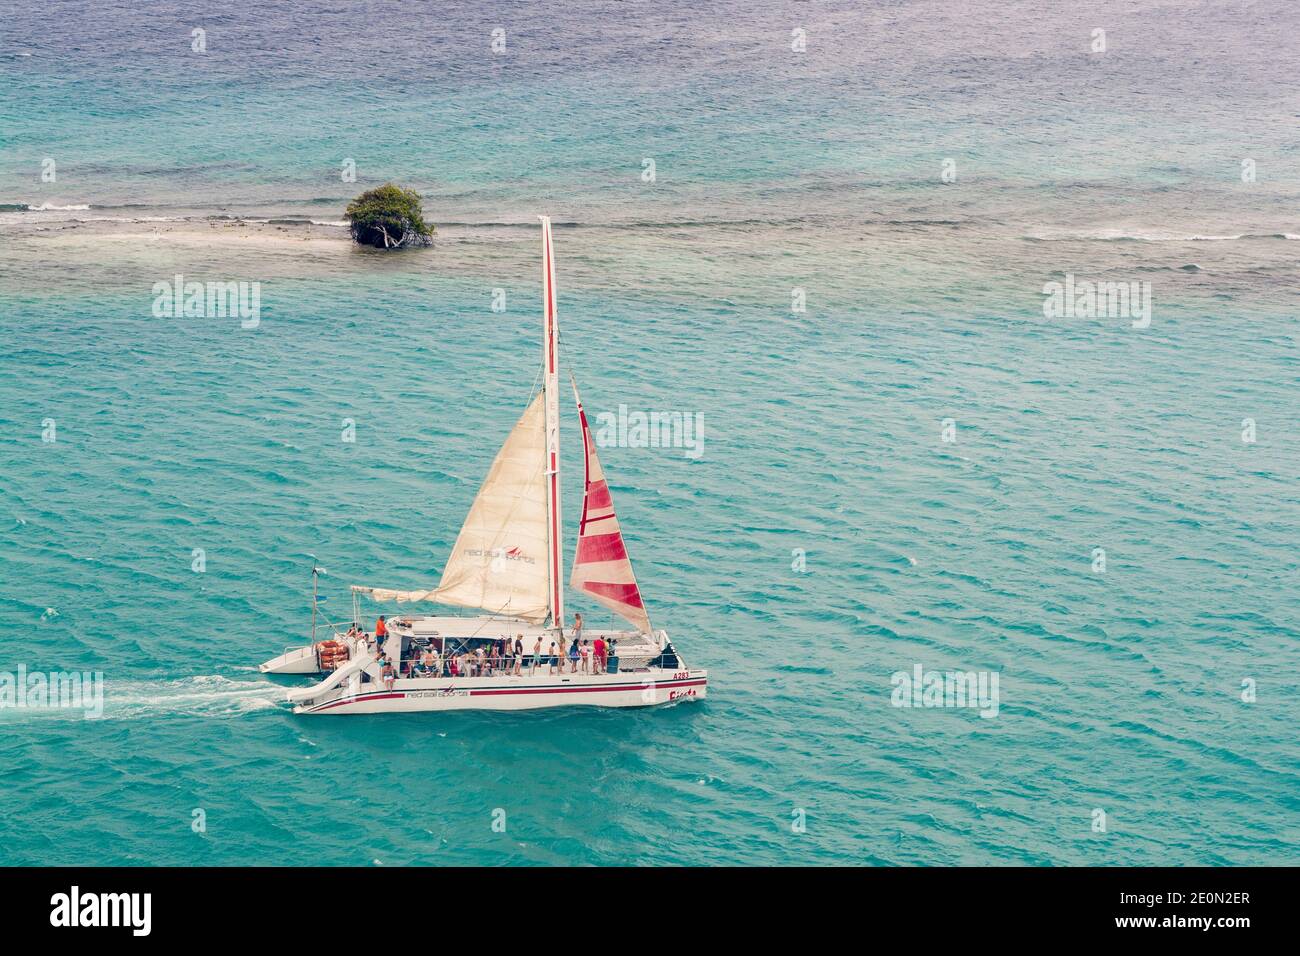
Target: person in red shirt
598,652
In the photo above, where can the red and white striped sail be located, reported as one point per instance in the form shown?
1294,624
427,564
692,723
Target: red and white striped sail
600,566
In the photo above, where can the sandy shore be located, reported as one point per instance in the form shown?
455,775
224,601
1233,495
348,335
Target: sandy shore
180,231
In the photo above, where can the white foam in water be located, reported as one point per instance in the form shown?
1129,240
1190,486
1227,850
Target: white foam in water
209,695
1114,234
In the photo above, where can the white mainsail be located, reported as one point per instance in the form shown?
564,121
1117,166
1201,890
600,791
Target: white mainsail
508,556
498,562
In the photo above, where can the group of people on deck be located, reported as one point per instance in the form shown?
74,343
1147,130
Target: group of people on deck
496,658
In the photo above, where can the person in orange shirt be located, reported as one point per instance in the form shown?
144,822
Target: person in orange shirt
381,632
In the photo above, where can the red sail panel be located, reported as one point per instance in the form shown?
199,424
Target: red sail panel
601,567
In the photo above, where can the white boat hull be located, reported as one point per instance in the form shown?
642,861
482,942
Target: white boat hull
647,688
354,684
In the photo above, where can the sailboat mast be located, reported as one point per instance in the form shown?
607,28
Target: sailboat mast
551,401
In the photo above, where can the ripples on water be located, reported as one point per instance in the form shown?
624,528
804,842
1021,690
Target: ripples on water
822,433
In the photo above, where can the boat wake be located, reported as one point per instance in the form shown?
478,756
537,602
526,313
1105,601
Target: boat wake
209,695
204,696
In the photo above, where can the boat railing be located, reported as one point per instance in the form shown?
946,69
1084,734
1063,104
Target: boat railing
497,665
345,647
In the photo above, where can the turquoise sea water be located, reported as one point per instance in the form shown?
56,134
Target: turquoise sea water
776,170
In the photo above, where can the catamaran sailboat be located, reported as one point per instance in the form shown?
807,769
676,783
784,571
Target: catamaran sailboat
507,562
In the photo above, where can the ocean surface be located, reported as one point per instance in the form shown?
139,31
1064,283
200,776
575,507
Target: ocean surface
917,173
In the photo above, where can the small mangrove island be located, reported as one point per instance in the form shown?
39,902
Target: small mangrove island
389,217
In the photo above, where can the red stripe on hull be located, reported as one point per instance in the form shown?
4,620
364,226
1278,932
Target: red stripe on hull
490,692
340,703
584,690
